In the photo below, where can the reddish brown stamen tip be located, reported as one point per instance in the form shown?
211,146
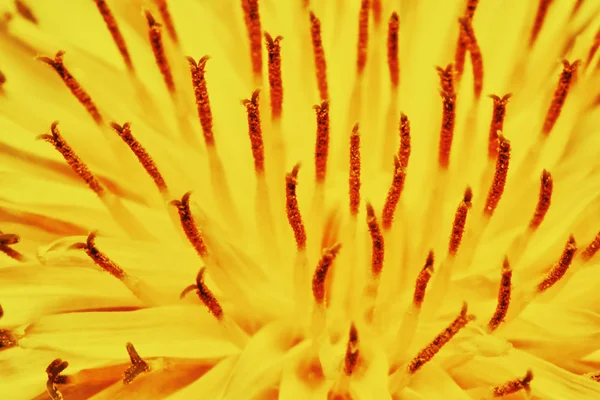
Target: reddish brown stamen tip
475,52
99,258
539,20
319,55
460,220
497,124
113,28
163,9
392,49
255,132
141,154
377,247
207,297
7,240
56,140
54,372
318,282
447,130
446,78
354,178
322,143
7,340
404,152
293,211
352,351
497,188
470,8
503,297
188,225
252,19
543,204
436,345
595,376
514,386
394,193
423,280
25,11
560,95
592,248
560,268
137,367
275,82
363,37
156,41
202,100
81,95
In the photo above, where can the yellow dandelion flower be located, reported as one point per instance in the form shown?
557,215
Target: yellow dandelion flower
362,226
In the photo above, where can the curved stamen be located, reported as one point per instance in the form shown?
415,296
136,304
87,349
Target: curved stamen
189,226
318,282
503,297
560,268
138,365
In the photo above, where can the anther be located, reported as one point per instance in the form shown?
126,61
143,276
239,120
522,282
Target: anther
156,41
560,268
394,193
460,220
319,55
363,37
377,243
143,157
560,95
392,49
7,339
188,225
80,94
447,129
352,351
165,15
592,248
354,178
205,295
446,78
514,386
197,71
497,123
318,281
7,240
99,258
25,11
595,376
293,211
440,340
503,297
275,81
543,204
497,188
322,142
54,372
476,58
423,280
539,20
113,28
470,8
138,365
404,152
255,132
252,19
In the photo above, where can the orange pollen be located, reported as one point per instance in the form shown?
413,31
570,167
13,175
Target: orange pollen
560,268
503,297
322,143
423,280
476,58
363,37
446,78
137,367
207,296
141,154
163,9
319,54
460,220
156,41
255,132
497,123
392,49
275,82
55,377
539,20
318,281
447,130
497,188
404,153
25,11
252,19
188,225
592,249
514,386
593,49
394,193
470,9
80,94
202,101
560,94
293,211
7,240
440,340
544,199
354,178
352,351
56,140
99,258
377,248
113,28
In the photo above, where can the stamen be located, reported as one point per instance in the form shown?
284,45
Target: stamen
293,211
363,37
322,143
376,9
539,20
423,280
54,371
560,268
560,95
252,19
404,153
163,9
592,248
394,194
593,49
352,351
205,295
446,78
99,258
141,154
156,41
7,240
497,188
392,47
319,54
460,53
543,204
188,225
436,345
470,9
80,94
514,386
476,58
255,132
113,28
377,248
447,130
138,365
354,179
503,297
71,158
318,282
275,82
25,11
595,376
202,99
460,220
7,339
497,123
